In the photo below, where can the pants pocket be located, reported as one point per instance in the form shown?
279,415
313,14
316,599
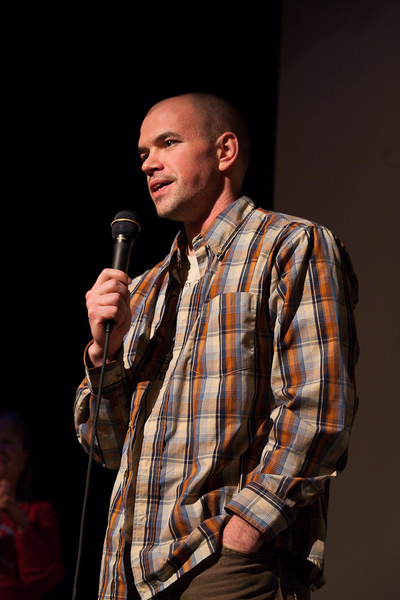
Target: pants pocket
233,576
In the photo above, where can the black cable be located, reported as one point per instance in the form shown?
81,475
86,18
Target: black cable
108,329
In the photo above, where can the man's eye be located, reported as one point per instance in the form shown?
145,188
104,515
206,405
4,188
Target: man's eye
168,143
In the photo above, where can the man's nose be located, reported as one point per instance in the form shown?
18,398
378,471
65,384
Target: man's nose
152,163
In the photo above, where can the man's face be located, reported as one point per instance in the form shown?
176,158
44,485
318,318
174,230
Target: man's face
180,164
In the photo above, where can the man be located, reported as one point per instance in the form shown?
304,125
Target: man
229,387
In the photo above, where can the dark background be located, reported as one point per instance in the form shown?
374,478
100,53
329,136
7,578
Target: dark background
79,79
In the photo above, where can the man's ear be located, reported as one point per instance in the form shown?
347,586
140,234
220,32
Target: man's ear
227,150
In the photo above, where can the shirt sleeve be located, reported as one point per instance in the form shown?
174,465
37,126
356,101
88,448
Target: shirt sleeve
311,305
113,415
38,548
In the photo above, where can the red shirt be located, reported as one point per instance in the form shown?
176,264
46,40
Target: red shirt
30,560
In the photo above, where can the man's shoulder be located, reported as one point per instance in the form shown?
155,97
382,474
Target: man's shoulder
278,229
280,219
274,223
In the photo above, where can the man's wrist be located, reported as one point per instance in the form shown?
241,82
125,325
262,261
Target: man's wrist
239,535
94,355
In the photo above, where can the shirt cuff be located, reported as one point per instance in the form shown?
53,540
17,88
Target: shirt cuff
262,509
114,372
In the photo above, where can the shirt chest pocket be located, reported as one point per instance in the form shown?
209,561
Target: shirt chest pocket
223,335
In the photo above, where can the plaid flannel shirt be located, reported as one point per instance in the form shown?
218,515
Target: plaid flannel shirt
255,415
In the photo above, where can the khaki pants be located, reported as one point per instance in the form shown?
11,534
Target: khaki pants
232,575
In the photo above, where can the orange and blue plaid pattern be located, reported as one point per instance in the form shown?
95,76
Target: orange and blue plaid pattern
255,414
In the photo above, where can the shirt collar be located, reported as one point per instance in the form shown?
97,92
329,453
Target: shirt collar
218,235
225,226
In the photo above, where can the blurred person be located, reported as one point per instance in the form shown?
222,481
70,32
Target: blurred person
30,549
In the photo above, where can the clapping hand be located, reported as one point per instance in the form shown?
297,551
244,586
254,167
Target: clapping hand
9,503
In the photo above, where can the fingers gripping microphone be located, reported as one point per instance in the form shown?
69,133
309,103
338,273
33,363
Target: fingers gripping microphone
125,229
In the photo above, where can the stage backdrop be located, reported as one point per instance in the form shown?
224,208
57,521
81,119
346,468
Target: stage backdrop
338,163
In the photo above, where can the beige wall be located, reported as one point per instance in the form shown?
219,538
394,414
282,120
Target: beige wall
338,163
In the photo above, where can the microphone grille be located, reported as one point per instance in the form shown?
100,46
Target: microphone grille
125,222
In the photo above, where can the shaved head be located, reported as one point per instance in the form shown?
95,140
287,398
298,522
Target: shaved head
218,116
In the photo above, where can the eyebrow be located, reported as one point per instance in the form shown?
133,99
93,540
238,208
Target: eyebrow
160,138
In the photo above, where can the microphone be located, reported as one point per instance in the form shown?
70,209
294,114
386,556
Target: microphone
125,228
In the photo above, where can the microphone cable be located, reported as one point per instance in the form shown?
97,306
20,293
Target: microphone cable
90,462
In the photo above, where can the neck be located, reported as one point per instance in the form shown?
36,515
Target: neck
193,229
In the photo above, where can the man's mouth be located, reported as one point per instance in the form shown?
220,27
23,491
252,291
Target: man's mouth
157,186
